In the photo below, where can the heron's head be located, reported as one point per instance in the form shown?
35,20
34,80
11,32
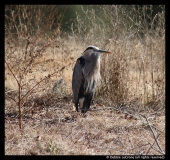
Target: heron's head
92,49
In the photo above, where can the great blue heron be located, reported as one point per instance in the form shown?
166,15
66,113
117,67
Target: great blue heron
85,76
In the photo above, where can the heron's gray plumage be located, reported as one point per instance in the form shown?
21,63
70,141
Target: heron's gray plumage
86,75
77,80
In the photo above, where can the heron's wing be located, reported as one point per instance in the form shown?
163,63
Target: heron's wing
77,80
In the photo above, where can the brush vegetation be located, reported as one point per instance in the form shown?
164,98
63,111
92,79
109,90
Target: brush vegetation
127,116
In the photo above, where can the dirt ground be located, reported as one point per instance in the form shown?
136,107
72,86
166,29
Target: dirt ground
56,129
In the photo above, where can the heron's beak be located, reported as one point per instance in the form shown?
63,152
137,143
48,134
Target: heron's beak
103,51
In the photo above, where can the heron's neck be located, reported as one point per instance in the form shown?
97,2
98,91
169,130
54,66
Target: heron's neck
95,63
92,69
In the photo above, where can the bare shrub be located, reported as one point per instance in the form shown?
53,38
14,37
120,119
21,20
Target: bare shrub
25,30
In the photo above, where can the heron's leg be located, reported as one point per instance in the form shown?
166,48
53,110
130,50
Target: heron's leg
87,102
76,105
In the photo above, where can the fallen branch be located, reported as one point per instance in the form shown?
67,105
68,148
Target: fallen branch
152,144
156,140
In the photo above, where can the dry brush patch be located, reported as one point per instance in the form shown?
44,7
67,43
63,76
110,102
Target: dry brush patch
51,127
57,130
128,112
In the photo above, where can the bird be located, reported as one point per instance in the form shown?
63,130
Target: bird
85,77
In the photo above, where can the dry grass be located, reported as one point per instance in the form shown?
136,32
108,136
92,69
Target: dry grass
132,91
127,71
57,130
64,132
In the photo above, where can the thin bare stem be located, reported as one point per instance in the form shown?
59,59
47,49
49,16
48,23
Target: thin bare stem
12,73
155,137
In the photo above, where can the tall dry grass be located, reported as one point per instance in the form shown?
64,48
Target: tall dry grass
38,74
136,69
135,72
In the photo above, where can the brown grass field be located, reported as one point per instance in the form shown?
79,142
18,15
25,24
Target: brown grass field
57,130
51,127
127,115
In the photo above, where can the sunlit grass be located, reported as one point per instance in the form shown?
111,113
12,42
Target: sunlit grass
133,82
